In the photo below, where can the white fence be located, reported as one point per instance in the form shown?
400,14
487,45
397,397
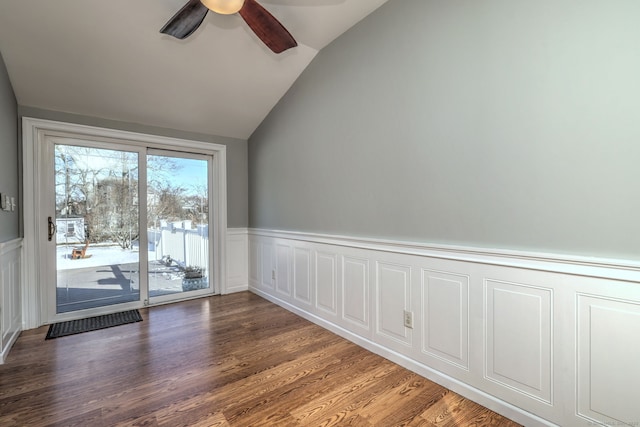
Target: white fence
184,245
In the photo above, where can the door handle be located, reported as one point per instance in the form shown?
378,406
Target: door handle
52,228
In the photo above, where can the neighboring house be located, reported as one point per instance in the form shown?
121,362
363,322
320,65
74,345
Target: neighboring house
70,230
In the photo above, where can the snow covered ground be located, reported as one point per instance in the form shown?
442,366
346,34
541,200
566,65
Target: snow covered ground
100,255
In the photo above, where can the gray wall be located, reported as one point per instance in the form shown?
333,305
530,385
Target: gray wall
9,155
237,187
495,123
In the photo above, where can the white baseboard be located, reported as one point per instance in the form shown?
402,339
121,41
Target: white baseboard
516,332
452,384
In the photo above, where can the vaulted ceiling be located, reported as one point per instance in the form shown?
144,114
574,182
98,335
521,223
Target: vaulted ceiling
108,59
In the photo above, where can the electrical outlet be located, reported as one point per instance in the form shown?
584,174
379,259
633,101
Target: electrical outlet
408,319
273,275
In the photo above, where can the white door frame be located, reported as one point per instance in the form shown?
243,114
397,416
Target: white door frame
34,132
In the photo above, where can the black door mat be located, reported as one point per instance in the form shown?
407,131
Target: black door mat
78,326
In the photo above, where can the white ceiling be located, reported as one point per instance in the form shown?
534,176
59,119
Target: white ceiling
108,59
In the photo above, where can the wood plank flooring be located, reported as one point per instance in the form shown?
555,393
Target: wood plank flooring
235,360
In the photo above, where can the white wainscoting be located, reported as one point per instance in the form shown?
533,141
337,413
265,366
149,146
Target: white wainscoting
237,260
541,339
10,297
608,377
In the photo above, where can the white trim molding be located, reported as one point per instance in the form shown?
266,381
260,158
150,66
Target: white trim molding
34,133
10,299
628,270
527,335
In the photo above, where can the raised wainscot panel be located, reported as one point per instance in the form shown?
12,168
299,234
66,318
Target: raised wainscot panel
445,308
393,297
519,324
326,283
255,264
283,260
608,360
355,294
268,270
302,275
10,296
237,264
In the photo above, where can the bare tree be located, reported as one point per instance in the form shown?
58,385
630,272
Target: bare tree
166,202
101,186
196,204
164,199
75,180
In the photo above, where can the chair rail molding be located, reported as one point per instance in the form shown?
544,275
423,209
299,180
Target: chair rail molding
524,334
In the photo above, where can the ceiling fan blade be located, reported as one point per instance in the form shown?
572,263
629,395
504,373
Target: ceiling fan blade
266,27
186,21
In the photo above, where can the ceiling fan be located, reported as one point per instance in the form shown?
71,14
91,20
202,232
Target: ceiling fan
266,27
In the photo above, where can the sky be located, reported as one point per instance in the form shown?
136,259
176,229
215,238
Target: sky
189,173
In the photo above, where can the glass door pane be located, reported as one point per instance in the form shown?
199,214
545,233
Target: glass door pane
178,225
97,234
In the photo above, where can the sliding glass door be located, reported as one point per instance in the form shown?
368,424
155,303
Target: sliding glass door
97,227
127,226
178,224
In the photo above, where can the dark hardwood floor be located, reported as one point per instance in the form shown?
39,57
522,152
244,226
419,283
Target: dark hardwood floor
236,360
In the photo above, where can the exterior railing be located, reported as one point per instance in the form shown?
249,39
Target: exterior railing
184,246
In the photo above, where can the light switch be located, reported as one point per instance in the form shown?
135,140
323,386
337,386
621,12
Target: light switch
13,204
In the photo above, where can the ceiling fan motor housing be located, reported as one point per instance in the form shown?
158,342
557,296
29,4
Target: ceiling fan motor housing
224,7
